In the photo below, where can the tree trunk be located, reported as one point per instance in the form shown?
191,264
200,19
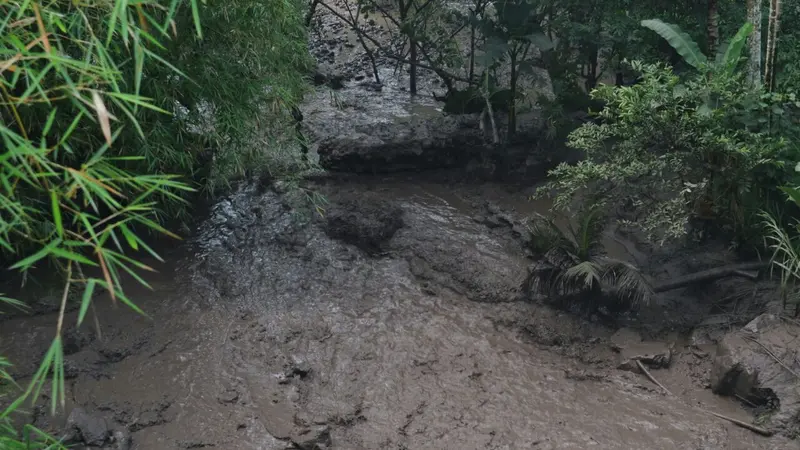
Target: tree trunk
412,72
591,71
736,270
754,42
471,52
312,8
772,37
512,105
713,27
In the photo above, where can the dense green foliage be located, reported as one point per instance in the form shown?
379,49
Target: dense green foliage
115,114
669,149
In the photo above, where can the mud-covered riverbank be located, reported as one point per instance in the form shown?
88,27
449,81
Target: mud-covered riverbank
269,331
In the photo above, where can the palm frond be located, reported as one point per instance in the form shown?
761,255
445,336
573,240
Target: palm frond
584,276
588,231
628,282
546,235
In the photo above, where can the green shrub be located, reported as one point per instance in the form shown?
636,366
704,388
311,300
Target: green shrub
669,150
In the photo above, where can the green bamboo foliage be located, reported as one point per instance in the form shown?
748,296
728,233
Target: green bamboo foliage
70,79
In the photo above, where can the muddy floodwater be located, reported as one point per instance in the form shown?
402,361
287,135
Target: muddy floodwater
266,333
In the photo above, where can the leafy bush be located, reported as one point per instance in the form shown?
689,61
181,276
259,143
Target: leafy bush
669,149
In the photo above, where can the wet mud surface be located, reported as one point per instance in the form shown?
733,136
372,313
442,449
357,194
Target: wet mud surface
270,332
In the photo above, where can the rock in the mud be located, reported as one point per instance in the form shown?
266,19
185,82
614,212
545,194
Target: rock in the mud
367,222
316,438
414,144
448,248
326,79
631,348
760,363
89,428
120,440
76,339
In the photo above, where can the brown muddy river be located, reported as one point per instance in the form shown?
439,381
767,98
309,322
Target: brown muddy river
266,334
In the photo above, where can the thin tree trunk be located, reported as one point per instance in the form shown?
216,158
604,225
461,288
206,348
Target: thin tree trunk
360,37
754,42
311,10
713,27
471,52
512,105
772,37
412,73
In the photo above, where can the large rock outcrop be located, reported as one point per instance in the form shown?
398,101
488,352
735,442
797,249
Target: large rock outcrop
371,129
760,363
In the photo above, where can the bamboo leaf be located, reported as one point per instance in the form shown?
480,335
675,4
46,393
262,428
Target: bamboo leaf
56,213
86,300
41,254
102,116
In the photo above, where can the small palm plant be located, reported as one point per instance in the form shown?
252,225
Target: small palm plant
575,268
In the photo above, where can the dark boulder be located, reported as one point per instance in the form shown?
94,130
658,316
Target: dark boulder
366,222
316,438
760,364
89,428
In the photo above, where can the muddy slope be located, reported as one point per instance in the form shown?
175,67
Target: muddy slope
272,334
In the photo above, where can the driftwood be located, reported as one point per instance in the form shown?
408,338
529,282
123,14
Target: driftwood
737,422
651,377
735,270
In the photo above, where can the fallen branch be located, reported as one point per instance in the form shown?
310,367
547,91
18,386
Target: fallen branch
753,428
650,377
769,352
735,270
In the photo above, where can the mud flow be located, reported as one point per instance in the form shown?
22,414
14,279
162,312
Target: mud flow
267,333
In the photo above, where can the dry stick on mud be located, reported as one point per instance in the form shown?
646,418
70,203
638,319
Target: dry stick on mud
650,377
769,352
737,422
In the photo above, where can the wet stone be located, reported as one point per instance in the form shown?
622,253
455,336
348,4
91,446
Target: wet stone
228,396
315,438
120,440
630,348
366,223
89,428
